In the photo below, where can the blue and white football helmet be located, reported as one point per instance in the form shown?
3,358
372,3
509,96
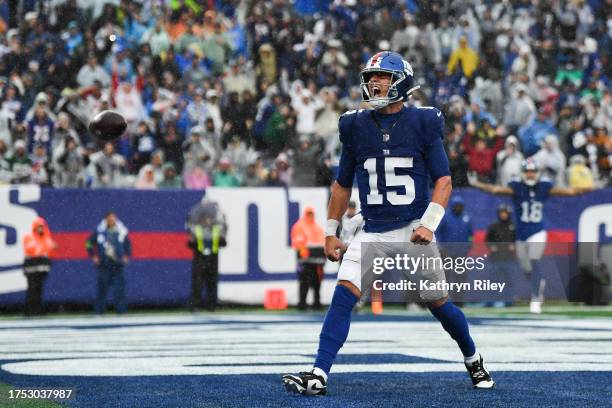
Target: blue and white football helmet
530,165
402,80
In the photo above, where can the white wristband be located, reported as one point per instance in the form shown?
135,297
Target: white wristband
331,228
432,216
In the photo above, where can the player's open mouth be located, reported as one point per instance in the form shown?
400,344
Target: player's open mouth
375,90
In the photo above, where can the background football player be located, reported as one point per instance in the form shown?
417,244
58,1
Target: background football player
394,151
529,194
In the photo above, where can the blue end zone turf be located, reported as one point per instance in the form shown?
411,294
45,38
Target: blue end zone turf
524,389
236,360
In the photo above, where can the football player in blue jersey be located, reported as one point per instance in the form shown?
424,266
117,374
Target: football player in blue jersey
394,151
528,196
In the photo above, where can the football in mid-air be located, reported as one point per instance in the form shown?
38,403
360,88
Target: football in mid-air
107,125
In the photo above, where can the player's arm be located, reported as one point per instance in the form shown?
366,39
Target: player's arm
435,211
439,171
338,203
340,193
488,188
570,191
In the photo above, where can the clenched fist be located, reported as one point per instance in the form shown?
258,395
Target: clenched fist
421,236
334,248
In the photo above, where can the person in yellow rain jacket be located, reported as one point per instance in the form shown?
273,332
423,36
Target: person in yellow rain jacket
464,55
308,239
579,175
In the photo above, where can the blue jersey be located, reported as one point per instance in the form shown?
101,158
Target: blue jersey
529,206
393,157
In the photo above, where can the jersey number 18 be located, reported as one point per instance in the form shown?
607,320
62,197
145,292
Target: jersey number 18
532,211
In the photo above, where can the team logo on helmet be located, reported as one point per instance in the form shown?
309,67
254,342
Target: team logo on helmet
402,79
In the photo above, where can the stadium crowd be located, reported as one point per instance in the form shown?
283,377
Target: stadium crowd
248,93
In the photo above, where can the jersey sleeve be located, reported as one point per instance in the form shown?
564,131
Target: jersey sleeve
514,184
433,129
433,121
545,186
437,160
346,168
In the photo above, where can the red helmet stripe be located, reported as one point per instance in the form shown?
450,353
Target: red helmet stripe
375,59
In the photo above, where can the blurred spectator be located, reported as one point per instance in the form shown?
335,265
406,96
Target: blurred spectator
172,149
594,149
199,152
40,165
92,72
238,154
128,101
69,164
38,247
170,177
578,174
266,69
157,162
40,129
236,80
326,124
251,178
551,160
306,106
196,178
456,226
157,38
532,134
493,65
106,168
5,166
20,164
520,110
273,179
110,248
197,109
465,56
63,131
279,130
480,155
455,150
224,176
509,161
304,158
146,178
143,145
352,101
500,239
283,171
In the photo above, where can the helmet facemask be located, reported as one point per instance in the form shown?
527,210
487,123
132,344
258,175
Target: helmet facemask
379,101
